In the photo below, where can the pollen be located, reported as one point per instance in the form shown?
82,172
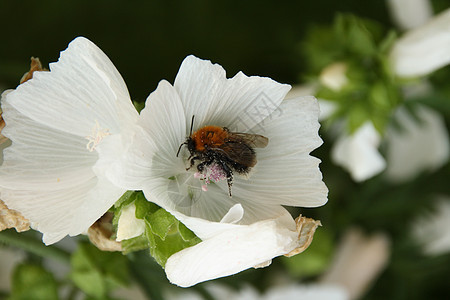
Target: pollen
212,173
96,136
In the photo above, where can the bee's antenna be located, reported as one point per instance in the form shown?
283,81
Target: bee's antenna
186,142
192,125
178,152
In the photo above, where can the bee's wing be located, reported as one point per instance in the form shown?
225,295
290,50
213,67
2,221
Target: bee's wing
239,152
253,140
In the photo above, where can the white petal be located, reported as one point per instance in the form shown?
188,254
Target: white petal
302,90
155,142
129,226
424,49
206,229
47,175
196,208
433,230
238,103
418,145
409,14
41,155
307,292
230,252
359,154
63,212
285,172
84,85
234,215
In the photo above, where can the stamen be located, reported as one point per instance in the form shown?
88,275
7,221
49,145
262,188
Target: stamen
97,135
210,173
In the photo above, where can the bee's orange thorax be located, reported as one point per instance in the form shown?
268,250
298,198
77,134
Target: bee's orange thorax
209,137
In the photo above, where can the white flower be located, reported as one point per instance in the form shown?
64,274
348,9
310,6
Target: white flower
251,227
280,292
408,14
333,76
65,125
423,49
418,52
418,144
358,262
358,153
327,108
433,230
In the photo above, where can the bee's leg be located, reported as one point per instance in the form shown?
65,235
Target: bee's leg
229,174
202,165
192,161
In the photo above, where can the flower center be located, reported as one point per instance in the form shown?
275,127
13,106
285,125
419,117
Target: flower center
97,135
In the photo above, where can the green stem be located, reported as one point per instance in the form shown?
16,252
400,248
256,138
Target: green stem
27,242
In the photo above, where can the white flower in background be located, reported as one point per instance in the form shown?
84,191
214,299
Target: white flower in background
333,76
408,14
9,259
358,262
278,292
65,125
433,230
251,227
417,144
424,49
418,52
358,153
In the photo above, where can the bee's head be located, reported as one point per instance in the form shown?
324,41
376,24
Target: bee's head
190,144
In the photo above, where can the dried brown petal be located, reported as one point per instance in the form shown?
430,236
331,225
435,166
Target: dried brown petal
100,234
34,66
306,227
10,218
2,125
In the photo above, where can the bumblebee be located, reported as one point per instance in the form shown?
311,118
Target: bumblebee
230,151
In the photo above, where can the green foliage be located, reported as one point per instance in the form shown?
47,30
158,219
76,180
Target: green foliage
372,91
164,235
31,281
96,273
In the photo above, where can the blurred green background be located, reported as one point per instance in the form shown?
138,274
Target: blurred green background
147,40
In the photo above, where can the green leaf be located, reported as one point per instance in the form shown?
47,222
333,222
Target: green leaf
96,272
164,234
357,117
185,233
379,96
135,244
143,206
125,199
161,249
31,281
160,222
359,40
